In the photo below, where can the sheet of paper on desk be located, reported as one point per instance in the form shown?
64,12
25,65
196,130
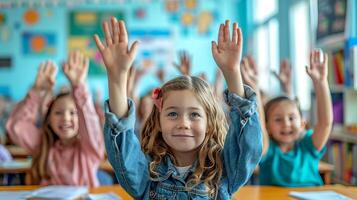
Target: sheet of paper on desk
14,195
318,195
59,192
16,164
104,196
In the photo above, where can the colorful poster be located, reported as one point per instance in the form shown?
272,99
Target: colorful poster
331,21
38,43
5,62
82,26
156,48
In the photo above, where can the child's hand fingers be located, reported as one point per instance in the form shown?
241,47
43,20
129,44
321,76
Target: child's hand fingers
115,31
235,33
308,70
65,68
226,31
98,43
123,35
240,37
214,49
133,49
221,34
108,37
77,58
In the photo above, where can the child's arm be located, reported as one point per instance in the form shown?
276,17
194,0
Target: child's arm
243,145
227,54
318,74
123,147
284,77
250,77
21,124
185,63
90,131
118,60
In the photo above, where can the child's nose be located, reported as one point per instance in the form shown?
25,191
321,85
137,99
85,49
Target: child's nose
66,116
184,123
287,122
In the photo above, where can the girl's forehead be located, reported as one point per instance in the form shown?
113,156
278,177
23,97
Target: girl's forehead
66,101
284,106
181,97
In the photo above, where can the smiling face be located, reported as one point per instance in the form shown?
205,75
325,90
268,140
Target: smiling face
63,118
183,121
284,122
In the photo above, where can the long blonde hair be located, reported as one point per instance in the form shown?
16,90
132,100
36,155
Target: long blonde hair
210,165
49,137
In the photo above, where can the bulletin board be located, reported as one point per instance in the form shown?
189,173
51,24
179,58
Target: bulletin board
82,26
331,21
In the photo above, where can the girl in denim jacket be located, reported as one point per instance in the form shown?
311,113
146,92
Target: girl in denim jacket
185,151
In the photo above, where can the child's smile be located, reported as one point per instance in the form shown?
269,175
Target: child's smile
183,121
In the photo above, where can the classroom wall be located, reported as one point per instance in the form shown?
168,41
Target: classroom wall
19,77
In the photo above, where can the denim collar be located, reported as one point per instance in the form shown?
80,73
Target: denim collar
166,168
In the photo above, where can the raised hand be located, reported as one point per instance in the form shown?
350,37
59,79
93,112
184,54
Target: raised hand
117,57
228,52
185,63
250,72
284,76
46,76
318,68
76,68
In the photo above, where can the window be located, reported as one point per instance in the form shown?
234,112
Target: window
266,43
300,41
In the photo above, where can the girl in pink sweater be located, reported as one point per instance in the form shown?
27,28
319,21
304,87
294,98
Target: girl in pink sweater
68,147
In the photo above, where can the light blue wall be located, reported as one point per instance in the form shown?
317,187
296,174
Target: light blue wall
20,76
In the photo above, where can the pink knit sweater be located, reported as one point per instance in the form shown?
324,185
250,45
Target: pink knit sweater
71,164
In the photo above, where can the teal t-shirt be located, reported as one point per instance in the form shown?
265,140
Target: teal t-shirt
295,168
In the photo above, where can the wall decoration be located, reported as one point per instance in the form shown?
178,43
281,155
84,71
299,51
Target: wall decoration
191,17
190,4
5,34
2,19
139,13
204,20
31,17
172,6
156,48
38,43
5,62
331,21
187,19
82,26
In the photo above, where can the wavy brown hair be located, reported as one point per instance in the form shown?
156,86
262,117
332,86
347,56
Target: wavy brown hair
49,137
209,164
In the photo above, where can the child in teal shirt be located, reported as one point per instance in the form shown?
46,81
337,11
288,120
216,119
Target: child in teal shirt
291,155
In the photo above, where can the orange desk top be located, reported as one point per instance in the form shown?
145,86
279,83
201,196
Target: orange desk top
246,192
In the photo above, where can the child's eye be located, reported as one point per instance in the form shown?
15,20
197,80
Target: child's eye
73,112
278,120
58,113
292,118
195,115
172,115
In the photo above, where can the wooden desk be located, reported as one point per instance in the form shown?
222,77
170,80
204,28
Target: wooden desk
19,165
17,152
102,189
246,192
273,193
22,165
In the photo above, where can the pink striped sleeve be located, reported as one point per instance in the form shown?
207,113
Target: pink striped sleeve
90,131
21,124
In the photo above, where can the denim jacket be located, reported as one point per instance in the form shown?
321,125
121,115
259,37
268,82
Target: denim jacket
241,153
